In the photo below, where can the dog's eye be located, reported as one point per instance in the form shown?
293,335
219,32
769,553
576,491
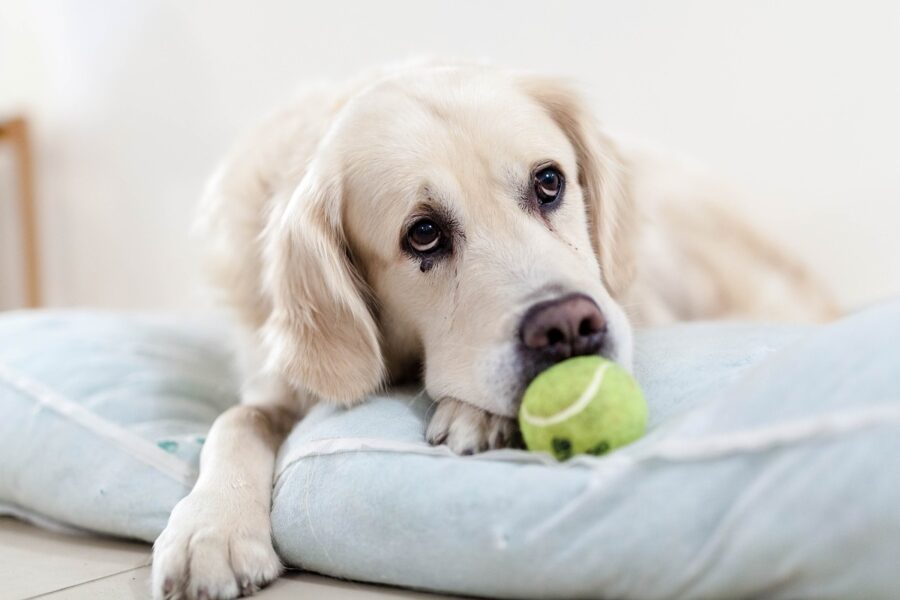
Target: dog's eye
424,236
548,185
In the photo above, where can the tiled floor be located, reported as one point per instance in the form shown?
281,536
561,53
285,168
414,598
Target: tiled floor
39,564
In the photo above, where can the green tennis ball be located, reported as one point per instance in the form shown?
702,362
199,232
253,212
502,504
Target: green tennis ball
584,405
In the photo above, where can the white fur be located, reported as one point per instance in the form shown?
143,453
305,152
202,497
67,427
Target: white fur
304,223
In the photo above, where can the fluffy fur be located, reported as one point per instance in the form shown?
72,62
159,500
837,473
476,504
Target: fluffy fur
306,221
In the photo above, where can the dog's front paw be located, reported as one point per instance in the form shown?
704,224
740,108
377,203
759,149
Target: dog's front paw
209,552
467,429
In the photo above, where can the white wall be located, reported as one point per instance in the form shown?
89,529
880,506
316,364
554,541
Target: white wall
798,102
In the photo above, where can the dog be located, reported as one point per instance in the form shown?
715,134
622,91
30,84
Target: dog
461,223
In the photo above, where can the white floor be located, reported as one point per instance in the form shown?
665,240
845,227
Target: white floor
39,564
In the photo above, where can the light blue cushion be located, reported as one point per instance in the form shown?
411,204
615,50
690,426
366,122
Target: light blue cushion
103,416
770,467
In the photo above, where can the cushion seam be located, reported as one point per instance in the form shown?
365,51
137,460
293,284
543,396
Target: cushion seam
133,445
830,426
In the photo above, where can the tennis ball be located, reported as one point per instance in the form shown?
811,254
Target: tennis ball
584,405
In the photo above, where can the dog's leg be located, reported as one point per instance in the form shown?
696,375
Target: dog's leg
467,429
218,542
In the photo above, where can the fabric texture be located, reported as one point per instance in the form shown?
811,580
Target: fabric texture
104,415
769,468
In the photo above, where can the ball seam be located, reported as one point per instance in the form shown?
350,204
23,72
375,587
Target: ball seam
573,409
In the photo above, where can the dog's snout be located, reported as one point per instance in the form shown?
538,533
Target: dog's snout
555,330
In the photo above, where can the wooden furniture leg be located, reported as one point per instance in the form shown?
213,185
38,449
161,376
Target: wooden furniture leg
15,131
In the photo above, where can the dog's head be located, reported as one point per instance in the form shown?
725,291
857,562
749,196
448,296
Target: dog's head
468,221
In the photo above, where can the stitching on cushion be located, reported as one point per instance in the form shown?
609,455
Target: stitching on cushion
133,445
820,427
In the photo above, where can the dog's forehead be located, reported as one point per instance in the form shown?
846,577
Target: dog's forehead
452,137
449,119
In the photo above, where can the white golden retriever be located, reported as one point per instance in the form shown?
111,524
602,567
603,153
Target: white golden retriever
459,222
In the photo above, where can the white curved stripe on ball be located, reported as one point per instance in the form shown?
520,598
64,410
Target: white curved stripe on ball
574,408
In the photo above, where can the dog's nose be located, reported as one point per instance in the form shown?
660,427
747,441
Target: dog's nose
555,330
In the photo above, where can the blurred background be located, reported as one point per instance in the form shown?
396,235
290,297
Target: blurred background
130,103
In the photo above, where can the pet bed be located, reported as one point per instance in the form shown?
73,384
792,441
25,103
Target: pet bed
770,467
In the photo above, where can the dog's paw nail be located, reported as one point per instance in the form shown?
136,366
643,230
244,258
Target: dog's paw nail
203,594
168,585
247,587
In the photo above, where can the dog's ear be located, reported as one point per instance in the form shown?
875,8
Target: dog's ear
601,176
321,334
